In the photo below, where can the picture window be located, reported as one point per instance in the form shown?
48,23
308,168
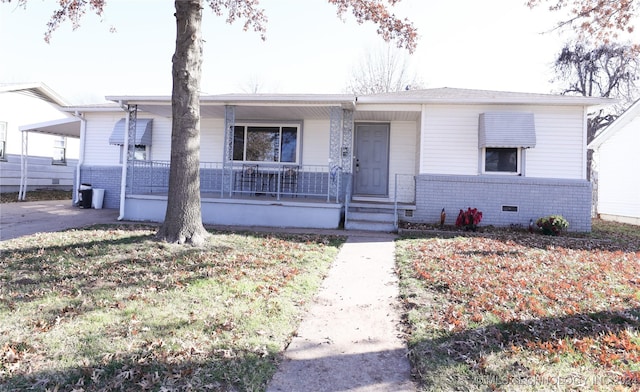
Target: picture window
266,143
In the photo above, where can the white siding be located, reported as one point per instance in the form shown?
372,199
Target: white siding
449,143
99,152
211,140
315,142
19,109
450,140
402,158
560,150
160,137
619,173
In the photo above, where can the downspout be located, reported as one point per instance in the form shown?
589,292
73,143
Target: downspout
83,141
125,161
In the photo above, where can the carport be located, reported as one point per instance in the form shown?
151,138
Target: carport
66,127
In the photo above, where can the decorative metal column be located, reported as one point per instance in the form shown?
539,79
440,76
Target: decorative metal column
131,145
335,146
227,159
347,141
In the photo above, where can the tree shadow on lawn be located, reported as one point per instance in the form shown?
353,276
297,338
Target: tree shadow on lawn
92,265
134,261
150,366
460,357
296,237
154,367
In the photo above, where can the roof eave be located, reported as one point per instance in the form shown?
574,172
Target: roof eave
90,108
559,100
38,90
624,119
344,100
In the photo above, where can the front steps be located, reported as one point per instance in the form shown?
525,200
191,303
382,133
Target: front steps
370,216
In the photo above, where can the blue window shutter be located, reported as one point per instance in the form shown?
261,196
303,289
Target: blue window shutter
143,132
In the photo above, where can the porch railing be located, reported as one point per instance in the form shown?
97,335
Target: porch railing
245,180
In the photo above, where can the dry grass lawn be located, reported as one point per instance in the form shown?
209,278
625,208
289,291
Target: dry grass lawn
514,311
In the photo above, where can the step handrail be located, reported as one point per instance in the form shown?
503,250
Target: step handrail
347,199
395,203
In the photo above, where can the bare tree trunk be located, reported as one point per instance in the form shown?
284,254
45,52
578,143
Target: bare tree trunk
183,219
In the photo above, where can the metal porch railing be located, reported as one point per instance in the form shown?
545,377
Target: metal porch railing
244,180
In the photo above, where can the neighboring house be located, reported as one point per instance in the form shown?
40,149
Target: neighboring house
321,161
33,159
616,150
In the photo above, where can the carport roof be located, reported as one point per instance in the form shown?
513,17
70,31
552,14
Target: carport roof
69,127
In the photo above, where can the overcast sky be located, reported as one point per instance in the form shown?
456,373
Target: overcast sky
489,44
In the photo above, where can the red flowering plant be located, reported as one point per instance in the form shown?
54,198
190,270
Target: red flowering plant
469,219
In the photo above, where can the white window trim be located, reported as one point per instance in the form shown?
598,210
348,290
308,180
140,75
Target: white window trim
63,147
284,124
147,153
483,160
3,139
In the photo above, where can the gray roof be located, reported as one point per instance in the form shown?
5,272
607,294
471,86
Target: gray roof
447,95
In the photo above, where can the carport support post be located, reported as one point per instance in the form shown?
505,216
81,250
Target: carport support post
24,163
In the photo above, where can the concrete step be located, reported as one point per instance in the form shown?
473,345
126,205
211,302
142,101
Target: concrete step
367,225
386,217
371,207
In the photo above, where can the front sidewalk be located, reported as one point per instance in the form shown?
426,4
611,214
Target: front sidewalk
349,339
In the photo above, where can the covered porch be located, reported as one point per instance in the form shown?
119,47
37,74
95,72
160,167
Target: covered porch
275,160
280,195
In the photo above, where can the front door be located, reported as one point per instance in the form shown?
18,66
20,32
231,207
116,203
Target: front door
372,160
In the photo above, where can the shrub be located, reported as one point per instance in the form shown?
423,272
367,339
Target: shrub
469,219
552,224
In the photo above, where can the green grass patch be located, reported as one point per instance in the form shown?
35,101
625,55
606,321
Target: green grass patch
514,311
37,195
110,308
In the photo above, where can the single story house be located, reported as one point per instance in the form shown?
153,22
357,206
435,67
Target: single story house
366,162
618,191
30,159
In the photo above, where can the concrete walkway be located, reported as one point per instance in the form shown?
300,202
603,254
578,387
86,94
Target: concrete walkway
350,338
25,218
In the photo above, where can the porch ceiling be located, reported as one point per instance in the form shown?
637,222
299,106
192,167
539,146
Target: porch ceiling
386,115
